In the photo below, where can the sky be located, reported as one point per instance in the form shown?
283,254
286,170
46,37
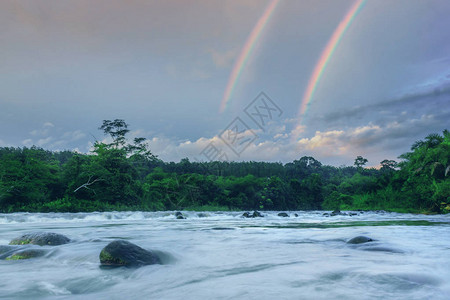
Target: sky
165,68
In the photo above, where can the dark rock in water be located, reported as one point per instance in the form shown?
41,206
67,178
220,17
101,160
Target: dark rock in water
296,215
360,240
335,212
257,214
202,215
283,214
123,253
246,215
326,215
179,215
352,214
222,228
26,254
41,239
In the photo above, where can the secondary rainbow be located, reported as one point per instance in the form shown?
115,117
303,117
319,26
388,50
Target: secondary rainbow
327,53
245,53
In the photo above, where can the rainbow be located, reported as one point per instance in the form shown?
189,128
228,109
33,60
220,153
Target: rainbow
327,53
245,53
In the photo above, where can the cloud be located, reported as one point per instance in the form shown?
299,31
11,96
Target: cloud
72,136
43,142
223,59
43,131
429,99
27,142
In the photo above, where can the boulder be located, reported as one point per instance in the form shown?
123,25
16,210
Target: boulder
360,240
283,214
41,239
179,215
123,253
202,215
335,212
246,215
296,215
26,254
257,214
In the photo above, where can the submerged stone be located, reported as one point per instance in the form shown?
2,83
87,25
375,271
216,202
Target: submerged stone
123,253
5,250
283,214
41,239
360,240
255,214
179,215
26,254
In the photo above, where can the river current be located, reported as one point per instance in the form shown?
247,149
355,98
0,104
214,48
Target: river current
220,255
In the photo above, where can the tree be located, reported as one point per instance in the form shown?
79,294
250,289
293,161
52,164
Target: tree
117,129
360,162
388,165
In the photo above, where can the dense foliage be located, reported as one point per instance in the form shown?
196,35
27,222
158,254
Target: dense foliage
127,176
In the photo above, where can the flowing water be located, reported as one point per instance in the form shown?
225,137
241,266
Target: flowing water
224,256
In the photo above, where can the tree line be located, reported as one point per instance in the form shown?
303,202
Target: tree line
126,175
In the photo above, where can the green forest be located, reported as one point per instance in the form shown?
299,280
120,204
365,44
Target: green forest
126,175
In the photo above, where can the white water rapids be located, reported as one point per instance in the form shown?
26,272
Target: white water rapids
224,256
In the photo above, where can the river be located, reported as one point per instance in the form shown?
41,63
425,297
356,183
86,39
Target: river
224,256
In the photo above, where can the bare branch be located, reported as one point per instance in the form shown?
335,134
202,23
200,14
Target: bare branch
87,184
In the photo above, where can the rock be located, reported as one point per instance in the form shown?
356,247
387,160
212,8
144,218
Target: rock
202,215
246,215
360,240
335,212
26,254
296,215
123,253
326,215
352,214
41,239
257,214
283,214
179,215
222,228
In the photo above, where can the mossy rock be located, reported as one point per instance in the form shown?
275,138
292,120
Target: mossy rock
41,239
26,254
360,240
123,253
